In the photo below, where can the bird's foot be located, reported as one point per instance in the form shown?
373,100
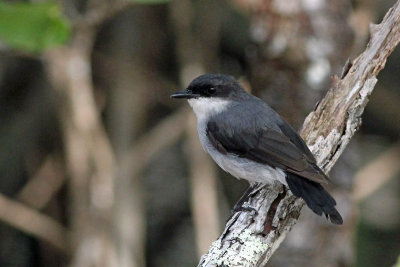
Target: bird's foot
240,208
244,208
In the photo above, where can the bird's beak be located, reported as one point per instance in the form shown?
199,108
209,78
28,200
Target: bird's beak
184,94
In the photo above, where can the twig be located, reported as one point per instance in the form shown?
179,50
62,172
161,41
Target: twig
89,156
203,191
162,135
98,12
376,173
327,131
41,188
202,170
30,221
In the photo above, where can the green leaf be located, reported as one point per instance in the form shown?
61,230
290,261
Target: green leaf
149,1
398,262
32,26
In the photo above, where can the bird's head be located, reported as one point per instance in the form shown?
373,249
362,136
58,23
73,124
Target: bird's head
210,86
210,94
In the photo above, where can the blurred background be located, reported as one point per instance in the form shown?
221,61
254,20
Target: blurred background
99,167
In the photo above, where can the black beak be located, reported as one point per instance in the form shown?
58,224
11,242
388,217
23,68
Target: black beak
184,94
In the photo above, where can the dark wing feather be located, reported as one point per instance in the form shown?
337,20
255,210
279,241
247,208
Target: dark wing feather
300,144
256,141
296,139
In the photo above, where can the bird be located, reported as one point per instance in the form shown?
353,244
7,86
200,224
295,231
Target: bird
249,140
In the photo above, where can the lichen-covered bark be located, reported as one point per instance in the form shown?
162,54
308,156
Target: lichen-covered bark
250,239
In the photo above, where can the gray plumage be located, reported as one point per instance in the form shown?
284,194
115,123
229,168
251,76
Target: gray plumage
248,139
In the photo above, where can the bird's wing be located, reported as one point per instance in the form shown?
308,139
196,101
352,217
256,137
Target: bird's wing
280,147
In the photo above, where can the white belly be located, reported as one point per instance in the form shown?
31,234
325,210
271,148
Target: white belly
240,168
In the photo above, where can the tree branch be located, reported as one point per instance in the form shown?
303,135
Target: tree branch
30,221
249,239
385,166
44,185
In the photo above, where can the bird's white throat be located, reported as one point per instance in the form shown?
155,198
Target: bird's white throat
204,107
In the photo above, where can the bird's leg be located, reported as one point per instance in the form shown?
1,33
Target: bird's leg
239,204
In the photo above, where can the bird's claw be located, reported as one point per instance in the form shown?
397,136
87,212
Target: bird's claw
240,208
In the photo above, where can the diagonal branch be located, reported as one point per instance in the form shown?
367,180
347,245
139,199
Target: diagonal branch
44,185
30,221
250,240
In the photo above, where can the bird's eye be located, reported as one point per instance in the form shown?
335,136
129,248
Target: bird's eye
212,90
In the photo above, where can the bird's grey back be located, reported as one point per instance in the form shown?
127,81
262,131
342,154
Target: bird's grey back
255,115
250,112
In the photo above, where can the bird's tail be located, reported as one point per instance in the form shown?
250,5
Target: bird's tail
315,196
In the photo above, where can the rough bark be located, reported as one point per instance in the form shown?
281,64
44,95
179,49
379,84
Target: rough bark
250,239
